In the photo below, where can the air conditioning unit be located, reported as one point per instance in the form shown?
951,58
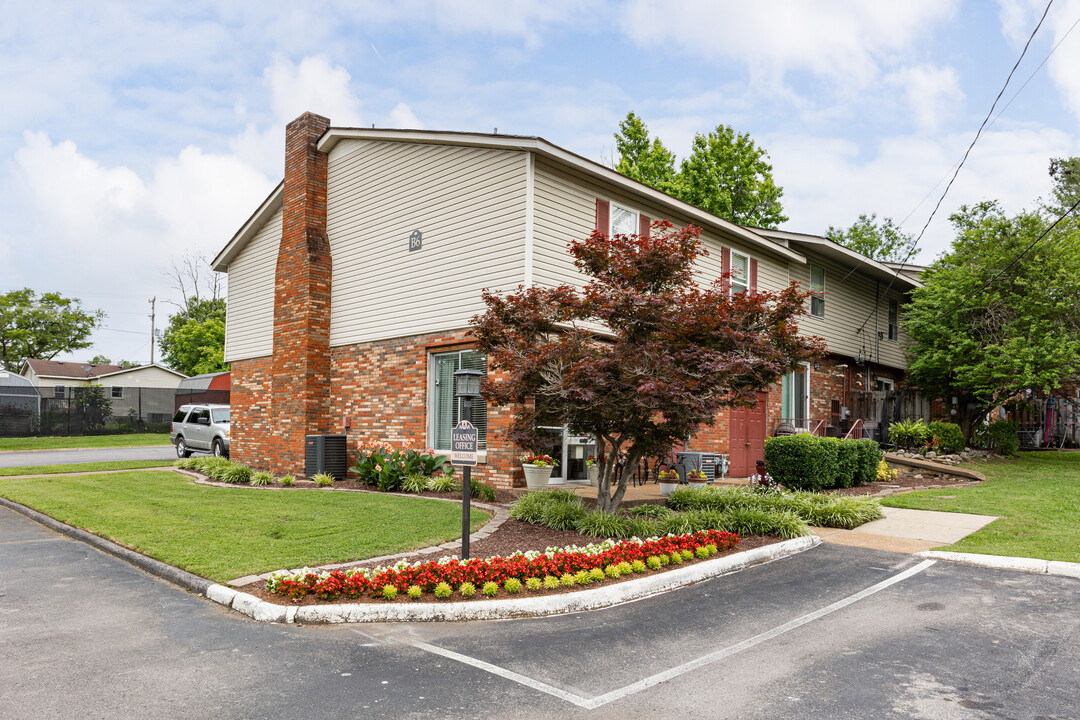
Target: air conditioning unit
326,454
712,464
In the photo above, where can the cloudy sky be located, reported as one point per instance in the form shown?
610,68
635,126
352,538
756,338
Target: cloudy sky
135,132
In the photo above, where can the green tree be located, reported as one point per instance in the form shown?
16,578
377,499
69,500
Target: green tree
726,173
730,176
984,345
1065,173
644,158
40,327
880,241
194,341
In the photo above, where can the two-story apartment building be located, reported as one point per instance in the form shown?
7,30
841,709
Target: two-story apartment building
352,286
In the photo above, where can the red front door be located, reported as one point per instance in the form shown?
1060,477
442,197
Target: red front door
747,444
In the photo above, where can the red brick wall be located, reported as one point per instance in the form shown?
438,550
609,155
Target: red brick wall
301,359
250,428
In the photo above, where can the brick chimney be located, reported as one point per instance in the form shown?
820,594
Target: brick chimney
301,360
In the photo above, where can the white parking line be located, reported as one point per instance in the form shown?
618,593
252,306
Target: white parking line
600,700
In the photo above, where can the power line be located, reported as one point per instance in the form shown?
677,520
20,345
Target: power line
963,160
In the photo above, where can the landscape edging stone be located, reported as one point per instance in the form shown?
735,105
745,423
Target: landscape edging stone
1004,562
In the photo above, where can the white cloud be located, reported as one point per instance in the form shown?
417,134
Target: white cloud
842,40
933,93
402,117
1018,19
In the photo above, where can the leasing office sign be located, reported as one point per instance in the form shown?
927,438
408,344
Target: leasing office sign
463,441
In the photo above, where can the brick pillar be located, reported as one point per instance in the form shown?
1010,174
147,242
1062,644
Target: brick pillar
301,360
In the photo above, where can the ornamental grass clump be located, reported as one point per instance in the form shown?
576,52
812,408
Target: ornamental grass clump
237,474
600,524
641,527
287,481
322,479
262,478
414,483
563,515
214,468
649,510
441,483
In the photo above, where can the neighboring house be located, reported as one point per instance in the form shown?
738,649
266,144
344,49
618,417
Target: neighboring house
148,390
352,286
207,388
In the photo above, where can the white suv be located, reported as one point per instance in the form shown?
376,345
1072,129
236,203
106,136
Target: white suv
200,427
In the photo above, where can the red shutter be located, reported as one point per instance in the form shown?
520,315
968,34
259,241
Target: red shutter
603,216
725,266
644,226
753,275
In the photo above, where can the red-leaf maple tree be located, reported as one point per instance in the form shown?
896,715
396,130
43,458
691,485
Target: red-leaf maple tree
642,356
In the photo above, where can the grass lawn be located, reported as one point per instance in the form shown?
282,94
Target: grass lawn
84,467
84,441
226,533
1037,497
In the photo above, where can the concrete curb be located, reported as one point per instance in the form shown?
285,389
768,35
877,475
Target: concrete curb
157,568
1001,562
505,609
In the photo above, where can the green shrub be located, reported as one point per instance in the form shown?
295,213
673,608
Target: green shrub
612,571
803,462
480,490
652,562
909,434
664,559
676,557
323,479
868,458
466,589
680,523
712,549
214,467
641,527
551,582
638,566
186,463
563,515
625,568
414,592
441,483
600,524
414,483
567,580
842,512
597,575
443,590
582,577
237,474
847,463
686,555
534,583
491,589
262,478
1003,436
512,586
649,510
949,435
389,592
701,552
531,507
287,481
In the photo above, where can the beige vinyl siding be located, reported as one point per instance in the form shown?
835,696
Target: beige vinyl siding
249,329
148,377
565,210
469,203
850,300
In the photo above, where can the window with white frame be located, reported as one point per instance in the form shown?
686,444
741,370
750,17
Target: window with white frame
884,384
894,319
623,221
59,391
444,410
817,288
740,273
117,392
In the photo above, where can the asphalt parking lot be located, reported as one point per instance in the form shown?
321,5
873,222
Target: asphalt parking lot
834,632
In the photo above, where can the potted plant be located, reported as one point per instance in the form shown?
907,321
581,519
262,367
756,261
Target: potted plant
669,480
537,470
594,469
696,478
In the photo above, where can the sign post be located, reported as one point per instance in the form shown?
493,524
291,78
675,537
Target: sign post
463,442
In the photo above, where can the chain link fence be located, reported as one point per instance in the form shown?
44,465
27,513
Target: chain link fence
84,410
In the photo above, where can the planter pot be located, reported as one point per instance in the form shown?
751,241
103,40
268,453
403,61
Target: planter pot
666,488
594,475
697,483
537,476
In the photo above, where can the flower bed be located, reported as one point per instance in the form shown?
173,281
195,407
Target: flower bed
515,573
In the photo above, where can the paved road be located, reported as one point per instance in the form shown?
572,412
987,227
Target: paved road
87,455
83,634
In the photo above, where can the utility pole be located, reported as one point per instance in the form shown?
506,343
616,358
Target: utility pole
153,301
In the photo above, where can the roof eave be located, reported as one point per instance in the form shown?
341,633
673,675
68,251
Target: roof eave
857,258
